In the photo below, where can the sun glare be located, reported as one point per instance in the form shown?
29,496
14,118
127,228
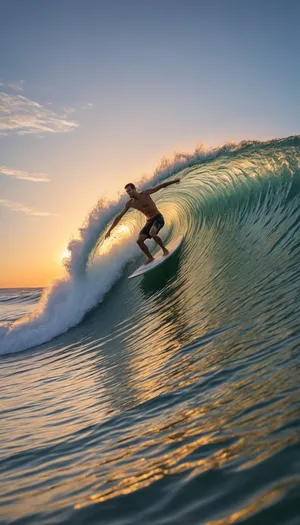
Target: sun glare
122,231
65,254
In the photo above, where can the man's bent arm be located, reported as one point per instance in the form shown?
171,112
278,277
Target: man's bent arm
117,219
160,186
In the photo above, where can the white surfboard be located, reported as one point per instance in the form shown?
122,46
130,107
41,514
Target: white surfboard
159,259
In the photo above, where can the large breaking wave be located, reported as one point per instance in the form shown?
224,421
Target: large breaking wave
255,184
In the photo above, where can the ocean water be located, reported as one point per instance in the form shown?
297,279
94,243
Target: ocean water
174,397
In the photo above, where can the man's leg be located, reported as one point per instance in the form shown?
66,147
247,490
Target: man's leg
153,232
141,243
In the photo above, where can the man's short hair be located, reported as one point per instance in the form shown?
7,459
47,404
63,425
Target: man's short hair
131,185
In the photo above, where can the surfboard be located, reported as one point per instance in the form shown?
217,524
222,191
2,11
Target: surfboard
159,259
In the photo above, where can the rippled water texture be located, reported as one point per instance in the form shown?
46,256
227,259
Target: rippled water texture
176,399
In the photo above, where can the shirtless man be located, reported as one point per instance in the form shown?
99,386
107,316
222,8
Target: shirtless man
142,201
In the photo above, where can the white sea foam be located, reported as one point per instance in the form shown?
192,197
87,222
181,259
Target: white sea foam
66,301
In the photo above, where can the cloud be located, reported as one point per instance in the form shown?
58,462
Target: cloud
17,86
69,111
24,175
24,116
16,206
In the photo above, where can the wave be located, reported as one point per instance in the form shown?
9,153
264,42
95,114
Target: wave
253,183
13,296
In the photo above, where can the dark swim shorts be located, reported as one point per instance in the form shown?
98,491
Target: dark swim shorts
157,221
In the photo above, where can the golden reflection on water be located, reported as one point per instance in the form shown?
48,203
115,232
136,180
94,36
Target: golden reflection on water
47,414
151,348
177,445
256,505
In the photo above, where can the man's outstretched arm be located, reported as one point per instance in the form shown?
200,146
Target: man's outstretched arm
160,186
117,219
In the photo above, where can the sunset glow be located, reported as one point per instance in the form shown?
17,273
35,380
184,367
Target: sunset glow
83,112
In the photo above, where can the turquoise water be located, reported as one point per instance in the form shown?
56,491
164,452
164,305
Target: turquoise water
174,397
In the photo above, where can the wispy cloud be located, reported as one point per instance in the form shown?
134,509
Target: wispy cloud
17,206
24,116
24,175
69,111
17,86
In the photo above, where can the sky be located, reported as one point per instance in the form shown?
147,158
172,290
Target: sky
94,93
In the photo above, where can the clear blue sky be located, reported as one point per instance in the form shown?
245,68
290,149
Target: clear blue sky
94,93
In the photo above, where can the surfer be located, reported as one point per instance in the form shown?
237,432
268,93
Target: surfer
141,200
